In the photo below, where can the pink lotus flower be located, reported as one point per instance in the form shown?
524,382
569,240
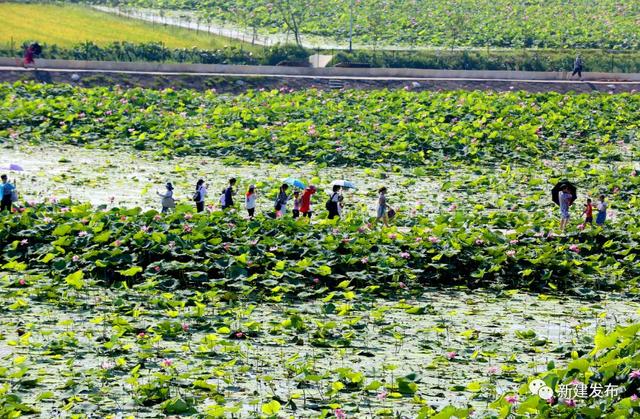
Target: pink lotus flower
75,258
187,228
142,335
575,382
144,229
185,327
392,236
434,239
364,260
418,239
239,335
82,234
405,255
316,280
634,397
451,355
511,253
382,395
493,369
339,414
106,365
580,226
123,218
511,399
156,268
570,402
188,216
452,207
22,282
551,400
227,246
64,209
117,243
402,285
514,241
166,362
479,242
47,220
634,374
574,248
24,242
157,217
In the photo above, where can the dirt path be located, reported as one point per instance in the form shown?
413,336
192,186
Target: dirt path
239,83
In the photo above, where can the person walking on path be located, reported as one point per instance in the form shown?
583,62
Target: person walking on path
296,204
588,212
200,194
565,198
31,51
602,211
305,201
167,198
383,207
250,200
7,189
334,203
229,193
281,201
577,67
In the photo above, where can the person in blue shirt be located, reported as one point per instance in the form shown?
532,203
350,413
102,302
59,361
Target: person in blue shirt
7,189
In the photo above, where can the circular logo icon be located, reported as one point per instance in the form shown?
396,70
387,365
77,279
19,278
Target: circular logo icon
541,389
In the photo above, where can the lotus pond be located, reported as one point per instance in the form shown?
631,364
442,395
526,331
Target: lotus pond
111,309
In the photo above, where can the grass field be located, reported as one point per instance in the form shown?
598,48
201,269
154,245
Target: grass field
67,25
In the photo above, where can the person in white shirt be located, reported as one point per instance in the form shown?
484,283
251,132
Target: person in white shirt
602,211
199,195
167,198
250,201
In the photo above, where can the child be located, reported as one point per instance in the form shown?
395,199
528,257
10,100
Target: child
588,211
250,200
296,204
602,211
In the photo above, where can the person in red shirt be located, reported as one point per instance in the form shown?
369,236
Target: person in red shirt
305,201
588,212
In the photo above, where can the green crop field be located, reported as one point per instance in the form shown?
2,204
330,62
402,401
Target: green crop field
442,23
68,25
113,309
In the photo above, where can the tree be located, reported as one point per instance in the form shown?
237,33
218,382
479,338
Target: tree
293,13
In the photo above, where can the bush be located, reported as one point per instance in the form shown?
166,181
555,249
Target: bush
515,60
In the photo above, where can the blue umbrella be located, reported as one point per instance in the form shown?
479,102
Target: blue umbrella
344,183
296,183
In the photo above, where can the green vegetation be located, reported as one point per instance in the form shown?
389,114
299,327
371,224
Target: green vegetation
363,128
125,51
67,25
511,60
478,23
